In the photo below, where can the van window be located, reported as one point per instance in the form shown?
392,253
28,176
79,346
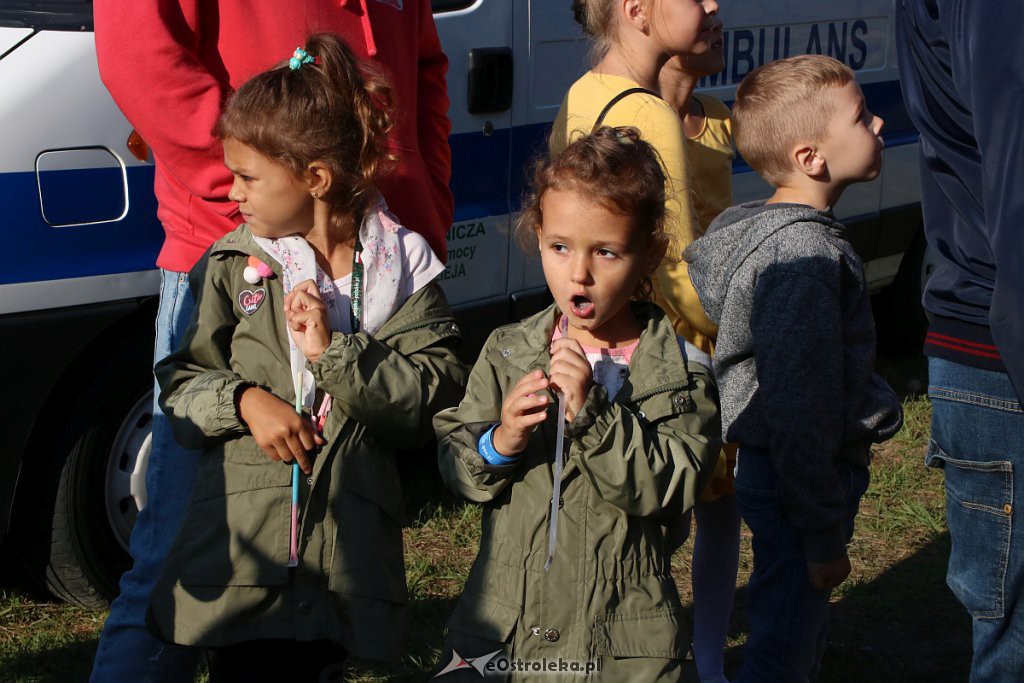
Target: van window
449,5
47,15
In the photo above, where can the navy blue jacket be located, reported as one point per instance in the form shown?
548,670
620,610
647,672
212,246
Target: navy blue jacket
962,72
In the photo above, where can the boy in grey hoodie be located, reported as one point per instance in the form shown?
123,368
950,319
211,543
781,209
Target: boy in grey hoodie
796,349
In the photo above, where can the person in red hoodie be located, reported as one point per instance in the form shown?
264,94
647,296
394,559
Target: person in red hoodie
170,65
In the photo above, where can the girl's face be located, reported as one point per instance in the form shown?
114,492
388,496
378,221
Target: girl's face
593,260
683,26
272,200
712,60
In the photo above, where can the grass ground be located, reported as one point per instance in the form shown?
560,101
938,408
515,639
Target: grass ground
894,620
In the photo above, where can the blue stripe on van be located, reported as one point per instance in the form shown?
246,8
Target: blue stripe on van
36,251
482,186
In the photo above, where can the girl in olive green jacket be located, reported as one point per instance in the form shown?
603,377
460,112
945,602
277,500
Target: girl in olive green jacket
582,513
320,341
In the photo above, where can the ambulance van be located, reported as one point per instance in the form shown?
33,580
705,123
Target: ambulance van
77,216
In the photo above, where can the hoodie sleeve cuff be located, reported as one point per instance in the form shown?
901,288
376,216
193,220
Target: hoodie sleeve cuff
824,545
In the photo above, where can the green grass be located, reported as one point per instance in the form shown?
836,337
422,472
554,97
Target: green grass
42,641
892,621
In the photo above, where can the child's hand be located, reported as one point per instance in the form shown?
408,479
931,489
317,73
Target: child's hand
307,319
523,409
283,434
571,374
828,575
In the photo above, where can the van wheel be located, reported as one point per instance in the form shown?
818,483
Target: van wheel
85,514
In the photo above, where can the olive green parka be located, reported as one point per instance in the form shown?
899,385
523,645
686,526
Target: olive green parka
226,578
633,466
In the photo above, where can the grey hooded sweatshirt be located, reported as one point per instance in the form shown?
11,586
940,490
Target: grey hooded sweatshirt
795,354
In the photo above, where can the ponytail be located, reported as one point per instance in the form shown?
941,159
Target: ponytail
597,17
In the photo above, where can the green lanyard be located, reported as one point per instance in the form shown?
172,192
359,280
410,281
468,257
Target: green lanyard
357,285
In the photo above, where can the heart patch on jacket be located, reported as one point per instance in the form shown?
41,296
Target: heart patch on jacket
250,300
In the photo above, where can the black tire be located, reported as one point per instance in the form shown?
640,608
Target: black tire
73,544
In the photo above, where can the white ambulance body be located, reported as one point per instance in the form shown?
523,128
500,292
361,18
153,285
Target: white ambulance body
77,288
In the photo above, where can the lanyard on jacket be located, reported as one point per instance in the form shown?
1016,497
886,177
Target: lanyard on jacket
357,285
556,475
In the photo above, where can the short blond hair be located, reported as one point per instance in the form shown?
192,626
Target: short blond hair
782,103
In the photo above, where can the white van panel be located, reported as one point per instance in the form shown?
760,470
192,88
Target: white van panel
478,246
9,37
34,111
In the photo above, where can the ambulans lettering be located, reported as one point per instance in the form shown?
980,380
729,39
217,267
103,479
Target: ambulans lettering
859,43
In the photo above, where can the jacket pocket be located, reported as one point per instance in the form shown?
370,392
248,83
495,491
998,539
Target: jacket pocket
484,618
236,531
656,633
240,539
979,507
373,476
367,558
240,466
491,602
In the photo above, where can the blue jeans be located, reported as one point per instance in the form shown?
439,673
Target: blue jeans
978,439
128,652
787,615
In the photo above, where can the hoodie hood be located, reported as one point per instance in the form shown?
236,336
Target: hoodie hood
364,19
734,236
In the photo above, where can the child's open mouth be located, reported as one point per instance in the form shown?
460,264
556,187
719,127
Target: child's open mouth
582,307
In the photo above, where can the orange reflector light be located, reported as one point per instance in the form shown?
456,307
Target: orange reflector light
138,147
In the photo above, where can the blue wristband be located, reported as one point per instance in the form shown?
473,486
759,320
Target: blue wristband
485,446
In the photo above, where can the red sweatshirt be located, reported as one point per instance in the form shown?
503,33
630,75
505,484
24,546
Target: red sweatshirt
170,64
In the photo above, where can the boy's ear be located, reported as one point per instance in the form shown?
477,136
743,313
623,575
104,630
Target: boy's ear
319,178
809,161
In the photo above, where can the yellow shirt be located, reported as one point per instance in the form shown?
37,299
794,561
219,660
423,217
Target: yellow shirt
710,154
660,126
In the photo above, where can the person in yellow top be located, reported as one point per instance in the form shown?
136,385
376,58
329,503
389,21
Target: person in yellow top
633,41
707,128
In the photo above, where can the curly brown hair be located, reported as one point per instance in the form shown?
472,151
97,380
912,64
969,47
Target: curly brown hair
336,111
614,168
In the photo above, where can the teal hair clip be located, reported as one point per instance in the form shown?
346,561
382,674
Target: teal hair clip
299,58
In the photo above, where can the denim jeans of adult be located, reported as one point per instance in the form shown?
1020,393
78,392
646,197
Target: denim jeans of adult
978,440
128,652
787,615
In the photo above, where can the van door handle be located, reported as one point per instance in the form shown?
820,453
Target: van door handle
490,80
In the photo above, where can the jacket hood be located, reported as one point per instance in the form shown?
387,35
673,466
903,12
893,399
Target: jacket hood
734,236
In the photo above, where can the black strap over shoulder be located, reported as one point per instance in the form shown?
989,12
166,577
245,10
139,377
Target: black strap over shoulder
615,100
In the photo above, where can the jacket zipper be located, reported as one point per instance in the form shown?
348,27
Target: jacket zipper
420,324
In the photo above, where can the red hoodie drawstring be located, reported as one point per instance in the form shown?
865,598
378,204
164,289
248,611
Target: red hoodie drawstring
371,44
